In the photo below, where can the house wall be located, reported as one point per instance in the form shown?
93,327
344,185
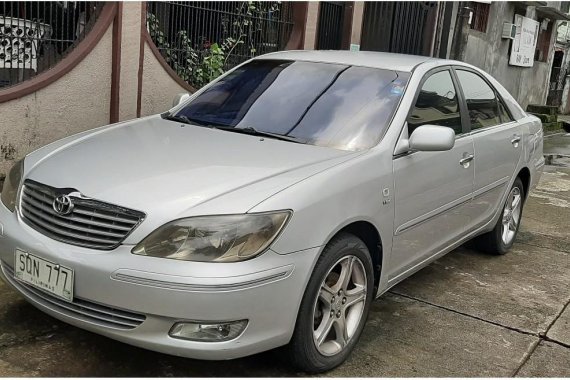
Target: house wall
81,99
158,87
357,17
488,51
76,102
311,26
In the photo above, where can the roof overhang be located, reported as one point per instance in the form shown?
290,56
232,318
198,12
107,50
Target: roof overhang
552,13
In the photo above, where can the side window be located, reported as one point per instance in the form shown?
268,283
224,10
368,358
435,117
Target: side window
436,104
484,108
505,117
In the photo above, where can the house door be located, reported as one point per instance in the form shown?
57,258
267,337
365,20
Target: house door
556,84
331,30
398,27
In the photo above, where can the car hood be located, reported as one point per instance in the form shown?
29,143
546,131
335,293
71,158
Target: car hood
164,168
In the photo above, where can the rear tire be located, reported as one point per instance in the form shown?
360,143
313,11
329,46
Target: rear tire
501,238
335,306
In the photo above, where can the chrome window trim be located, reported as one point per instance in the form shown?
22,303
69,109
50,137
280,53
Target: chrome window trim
455,68
485,129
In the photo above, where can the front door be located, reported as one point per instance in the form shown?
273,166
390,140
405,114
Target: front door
497,141
432,190
399,26
331,26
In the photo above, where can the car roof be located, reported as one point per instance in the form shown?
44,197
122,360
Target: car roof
379,60
389,61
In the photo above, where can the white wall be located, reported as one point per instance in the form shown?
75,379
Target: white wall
490,52
78,101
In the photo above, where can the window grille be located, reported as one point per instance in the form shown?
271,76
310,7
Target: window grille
543,40
36,35
480,16
202,39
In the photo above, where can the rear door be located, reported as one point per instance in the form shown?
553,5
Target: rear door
497,143
432,189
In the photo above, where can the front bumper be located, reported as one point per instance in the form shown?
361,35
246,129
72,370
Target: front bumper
137,299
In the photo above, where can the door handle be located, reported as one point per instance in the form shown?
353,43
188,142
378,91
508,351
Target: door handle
466,160
515,141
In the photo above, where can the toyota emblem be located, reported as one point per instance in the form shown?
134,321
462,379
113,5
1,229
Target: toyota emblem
63,205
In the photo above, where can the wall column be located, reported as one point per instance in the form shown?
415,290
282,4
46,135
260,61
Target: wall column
311,27
130,51
116,65
357,17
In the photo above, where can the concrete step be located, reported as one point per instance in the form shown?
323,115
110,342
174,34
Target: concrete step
542,109
545,118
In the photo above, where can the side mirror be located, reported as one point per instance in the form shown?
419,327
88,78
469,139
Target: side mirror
432,138
180,98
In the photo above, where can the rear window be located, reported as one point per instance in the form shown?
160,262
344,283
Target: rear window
340,106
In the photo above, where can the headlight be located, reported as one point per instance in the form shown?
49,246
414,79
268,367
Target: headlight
11,185
220,238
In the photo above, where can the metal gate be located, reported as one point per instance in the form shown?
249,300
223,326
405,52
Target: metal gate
398,27
330,26
185,32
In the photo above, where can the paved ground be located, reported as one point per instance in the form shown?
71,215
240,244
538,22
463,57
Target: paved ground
468,314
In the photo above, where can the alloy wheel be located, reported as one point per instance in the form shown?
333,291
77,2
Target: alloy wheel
339,305
511,215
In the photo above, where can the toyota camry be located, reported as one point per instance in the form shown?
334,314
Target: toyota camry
272,206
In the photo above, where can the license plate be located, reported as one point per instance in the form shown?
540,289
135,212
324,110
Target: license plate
45,275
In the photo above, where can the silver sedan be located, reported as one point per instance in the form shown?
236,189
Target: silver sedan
270,207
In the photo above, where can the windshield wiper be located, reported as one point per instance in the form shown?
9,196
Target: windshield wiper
184,119
181,118
247,130
256,132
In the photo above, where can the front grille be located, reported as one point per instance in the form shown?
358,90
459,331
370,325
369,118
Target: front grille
79,309
91,223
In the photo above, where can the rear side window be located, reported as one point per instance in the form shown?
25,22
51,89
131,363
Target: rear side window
505,117
436,104
485,109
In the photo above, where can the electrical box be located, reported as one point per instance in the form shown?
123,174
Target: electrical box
509,31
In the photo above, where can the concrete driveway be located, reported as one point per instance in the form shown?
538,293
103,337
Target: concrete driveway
468,314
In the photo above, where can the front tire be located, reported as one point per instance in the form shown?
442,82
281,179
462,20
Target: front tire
335,306
501,238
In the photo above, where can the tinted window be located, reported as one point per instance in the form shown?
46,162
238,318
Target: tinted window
504,115
346,107
481,100
436,104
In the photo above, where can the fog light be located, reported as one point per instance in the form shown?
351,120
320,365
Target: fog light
207,331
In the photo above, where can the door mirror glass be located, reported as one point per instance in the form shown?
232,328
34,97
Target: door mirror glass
432,138
180,98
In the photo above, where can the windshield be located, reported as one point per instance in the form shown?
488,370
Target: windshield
333,105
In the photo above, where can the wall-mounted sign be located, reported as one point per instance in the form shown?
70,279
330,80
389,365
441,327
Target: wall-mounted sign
524,44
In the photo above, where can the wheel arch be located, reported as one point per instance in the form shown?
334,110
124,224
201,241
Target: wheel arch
524,175
370,235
